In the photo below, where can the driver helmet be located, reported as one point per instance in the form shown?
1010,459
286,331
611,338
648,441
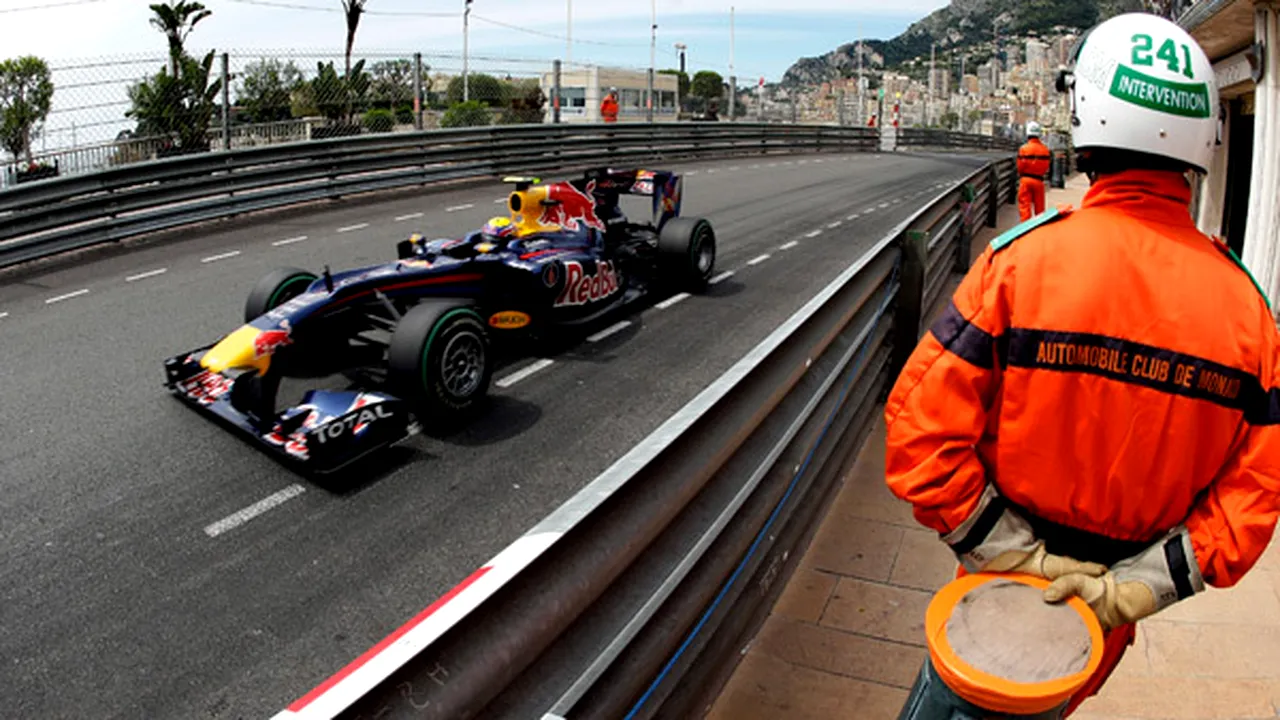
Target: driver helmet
498,227
1033,129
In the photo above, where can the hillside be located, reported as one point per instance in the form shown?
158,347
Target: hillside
962,24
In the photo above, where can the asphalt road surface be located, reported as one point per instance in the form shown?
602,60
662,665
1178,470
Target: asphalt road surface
154,565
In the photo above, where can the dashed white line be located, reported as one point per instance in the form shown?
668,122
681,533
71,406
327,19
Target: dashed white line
671,301
500,201
349,228
456,208
411,216
758,259
149,273
852,217
223,256
735,167
870,209
237,519
834,225
616,327
4,315
752,167
813,233
691,172
711,171
817,161
721,277
788,246
522,373
68,296
773,164
289,241
884,205
898,200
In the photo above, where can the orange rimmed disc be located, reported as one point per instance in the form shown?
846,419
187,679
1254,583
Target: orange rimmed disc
996,643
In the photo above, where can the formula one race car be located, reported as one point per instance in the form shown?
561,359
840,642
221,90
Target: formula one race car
416,337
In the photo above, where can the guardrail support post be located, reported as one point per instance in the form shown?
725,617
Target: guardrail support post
417,91
555,92
733,97
910,309
226,102
993,196
840,108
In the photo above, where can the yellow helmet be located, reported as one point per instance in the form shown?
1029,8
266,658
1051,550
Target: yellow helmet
498,227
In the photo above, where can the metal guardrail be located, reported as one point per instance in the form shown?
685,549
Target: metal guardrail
44,218
919,137
633,598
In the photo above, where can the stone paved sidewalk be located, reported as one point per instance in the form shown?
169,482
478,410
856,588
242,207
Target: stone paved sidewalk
846,638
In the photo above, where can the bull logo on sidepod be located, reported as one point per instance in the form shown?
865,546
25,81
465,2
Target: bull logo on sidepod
574,209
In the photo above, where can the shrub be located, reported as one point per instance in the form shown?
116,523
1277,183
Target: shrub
380,120
467,114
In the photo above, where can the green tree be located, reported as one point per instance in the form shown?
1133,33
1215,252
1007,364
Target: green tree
179,108
266,92
484,88
26,94
380,120
352,10
392,83
339,97
176,19
949,120
467,114
682,82
707,86
526,105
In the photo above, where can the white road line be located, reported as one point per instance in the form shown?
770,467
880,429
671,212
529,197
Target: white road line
149,273
870,209
817,161
834,225
852,217
813,233
68,296
522,373
691,172
758,259
289,241
895,202
456,208
237,519
223,256
616,327
884,205
411,216
752,167
721,277
735,167
671,301
774,164
711,171
349,228
788,246
3,315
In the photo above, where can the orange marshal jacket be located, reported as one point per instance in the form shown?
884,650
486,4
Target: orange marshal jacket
1033,159
1112,371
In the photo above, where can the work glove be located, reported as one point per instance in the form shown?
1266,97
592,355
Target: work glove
1139,586
995,538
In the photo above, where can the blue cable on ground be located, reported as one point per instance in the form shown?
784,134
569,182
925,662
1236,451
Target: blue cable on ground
697,628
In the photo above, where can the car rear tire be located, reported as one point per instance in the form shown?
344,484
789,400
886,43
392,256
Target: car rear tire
275,289
440,360
687,251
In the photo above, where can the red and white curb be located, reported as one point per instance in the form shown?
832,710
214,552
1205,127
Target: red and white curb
364,673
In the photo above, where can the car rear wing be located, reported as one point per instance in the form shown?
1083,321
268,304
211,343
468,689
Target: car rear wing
664,186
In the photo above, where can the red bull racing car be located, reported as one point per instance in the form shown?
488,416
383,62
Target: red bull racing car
414,340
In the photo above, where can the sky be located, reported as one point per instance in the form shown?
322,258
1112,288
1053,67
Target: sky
97,48
768,38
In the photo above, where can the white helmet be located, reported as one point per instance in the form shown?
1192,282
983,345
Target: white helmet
1033,129
1142,83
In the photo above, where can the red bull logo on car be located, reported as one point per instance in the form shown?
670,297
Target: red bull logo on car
581,288
268,341
572,210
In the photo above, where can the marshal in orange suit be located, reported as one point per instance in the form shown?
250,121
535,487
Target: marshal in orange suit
1033,166
1099,405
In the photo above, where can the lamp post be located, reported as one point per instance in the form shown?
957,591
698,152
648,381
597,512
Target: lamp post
568,37
653,51
466,20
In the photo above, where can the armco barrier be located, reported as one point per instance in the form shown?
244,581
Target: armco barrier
45,218
633,599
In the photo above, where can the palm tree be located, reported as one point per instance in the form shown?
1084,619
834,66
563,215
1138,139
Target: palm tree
176,19
353,10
